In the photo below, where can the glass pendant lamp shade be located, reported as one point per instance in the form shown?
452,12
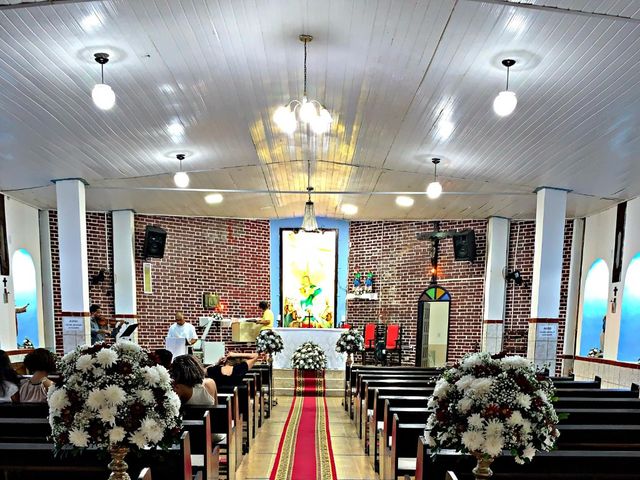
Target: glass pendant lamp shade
308,112
181,179
434,190
309,222
103,96
505,103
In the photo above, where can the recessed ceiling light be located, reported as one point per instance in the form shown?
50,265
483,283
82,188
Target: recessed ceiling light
213,198
349,209
403,201
445,129
175,129
90,22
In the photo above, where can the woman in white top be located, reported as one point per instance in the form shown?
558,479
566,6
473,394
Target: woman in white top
8,378
190,383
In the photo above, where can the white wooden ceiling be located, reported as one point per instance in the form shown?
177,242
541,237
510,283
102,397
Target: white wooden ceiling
404,80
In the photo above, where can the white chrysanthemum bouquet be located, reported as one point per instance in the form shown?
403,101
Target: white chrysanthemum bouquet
113,397
485,405
309,356
350,341
269,341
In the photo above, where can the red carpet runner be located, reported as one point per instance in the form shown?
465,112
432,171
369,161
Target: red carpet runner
304,452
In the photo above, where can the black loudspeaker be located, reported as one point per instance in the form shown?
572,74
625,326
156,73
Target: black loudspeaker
464,246
154,240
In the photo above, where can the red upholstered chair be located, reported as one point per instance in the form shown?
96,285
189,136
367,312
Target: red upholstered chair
393,342
369,340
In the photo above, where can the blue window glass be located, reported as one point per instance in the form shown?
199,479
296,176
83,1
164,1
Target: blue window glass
629,343
594,306
26,295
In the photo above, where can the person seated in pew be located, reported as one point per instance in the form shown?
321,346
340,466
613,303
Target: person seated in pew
190,383
231,369
163,357
9,382
39,363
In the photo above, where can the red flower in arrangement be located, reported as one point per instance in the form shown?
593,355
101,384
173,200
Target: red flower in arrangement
505,412
95,429
124,368
524,384
138,410
492,411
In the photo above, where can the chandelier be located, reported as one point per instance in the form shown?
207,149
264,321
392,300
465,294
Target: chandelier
306,111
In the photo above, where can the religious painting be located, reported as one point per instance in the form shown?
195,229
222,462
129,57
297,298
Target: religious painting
308,274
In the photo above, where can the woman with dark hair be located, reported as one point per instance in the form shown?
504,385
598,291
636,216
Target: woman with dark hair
39,363
230,370
190,383
9,382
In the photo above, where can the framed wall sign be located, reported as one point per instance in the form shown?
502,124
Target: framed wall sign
146,278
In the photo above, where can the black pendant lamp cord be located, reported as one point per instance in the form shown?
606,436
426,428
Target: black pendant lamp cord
305,68
102,72
435,171
309,177
508,78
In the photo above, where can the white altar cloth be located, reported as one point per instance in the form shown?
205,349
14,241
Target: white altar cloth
325,337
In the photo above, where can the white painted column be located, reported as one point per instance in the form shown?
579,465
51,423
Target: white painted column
124,268
74,271
573,296
495,284
547,275
46,265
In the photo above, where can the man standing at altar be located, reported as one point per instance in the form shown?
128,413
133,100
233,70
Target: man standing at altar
182,329
267,316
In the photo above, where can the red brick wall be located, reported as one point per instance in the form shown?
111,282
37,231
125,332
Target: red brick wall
226,256
231,257
99,256
402,266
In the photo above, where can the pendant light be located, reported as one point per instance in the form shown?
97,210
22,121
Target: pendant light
505,102
181,179
434,189
310,112
102,94
309,222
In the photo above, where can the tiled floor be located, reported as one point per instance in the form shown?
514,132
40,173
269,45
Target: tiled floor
351,462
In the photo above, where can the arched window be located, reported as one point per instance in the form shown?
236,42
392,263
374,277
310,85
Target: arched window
629,344
26,297
594,306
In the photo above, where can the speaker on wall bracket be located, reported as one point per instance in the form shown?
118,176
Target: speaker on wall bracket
464,246
154,241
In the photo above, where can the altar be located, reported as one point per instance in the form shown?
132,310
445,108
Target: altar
325,337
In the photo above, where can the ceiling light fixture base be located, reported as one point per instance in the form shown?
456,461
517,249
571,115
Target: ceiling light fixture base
304,38
508,62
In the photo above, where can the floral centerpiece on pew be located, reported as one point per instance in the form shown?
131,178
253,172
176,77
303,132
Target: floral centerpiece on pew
485,405
113,398
309,356
269,342
350,341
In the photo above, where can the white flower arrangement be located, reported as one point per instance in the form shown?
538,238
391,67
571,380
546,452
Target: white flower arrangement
113,397
309,356
269,341
485,405
595,353
350,341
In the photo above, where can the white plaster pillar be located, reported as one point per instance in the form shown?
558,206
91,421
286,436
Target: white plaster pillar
124,268
547,275
74,271
495,284
573,296
47,281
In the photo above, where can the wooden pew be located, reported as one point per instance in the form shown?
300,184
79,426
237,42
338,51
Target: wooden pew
399,459
357,376
266,371
222,422
364,403
355,370
205,455
556,465
34,461
27,410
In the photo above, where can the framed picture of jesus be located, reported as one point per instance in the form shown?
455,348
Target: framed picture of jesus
308,277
